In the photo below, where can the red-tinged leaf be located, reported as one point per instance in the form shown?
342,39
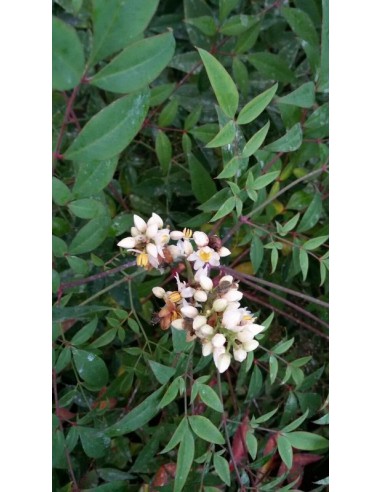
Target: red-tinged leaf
300,460
239,442
64,413
268,449
164,474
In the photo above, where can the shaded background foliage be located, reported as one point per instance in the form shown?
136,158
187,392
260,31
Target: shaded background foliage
132,137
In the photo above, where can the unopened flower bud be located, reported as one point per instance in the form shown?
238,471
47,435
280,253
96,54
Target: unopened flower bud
223,362
127,242
176,235
218,340
200,238
206,330
151,231
134,232
178,324
140,224
207,349
224,252
233,295
251,345
226,278
155,219
239,354
200,296
158,292
199,321
152,250
245,336
231,319
189,311
206,282
219,305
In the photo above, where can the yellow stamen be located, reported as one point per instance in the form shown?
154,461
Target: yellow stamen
204,256
187,233
142,260
247,317
175,296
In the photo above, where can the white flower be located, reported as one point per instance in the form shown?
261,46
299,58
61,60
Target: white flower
245,336
219,305
189,311
224,252
199,321
231,319
233,295
158,292
200,296
223,362
151,231
200,238
140,224
152,250
204,256
239,354
176,235
206,330
254,329
206,282
134,232
178,324
251,345
217,351
218,340
156,219
127,242
183,289
207,349
226,278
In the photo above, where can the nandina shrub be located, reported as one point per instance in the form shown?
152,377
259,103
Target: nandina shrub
190,257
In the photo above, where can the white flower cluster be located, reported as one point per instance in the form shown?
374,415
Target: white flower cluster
208,310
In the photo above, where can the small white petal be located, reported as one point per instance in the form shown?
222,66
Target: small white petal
140,224
200,296
233,306
239,354
218,340
127,242
206,282
189,311
233,295
187,247
187,292
176,235
230,319
156,219
200,238
217,351
254,329
206,330
223,362
151,231
245,336
152,250
134,232
219,305
158,292
198,322
207,349
178,324
227,278
252,345
224,252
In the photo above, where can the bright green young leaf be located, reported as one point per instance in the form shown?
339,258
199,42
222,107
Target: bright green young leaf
85,333
291,224
323,273
203,186
60,192
222,468
252,445
86,208
252,194
116,23
324,420
301,24
225,209
285,450
185,458
274,259
307,441
177,435
314,243
265,179
90,236
231,168
210,398
91,368
204,428
68,56
94,176
94,441
282,347
162,373
137,417
241,76
256,106
273,364
304,261
137,65
256,253
215,202
110,130
163,149
272,66
171,393
303,96
256,141
291,141
223,85
264,418
312,214
224,137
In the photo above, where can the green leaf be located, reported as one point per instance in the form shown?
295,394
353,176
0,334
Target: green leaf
185,458
252,445
177,436
322,85
290,225
163,148
303,260
223,85
307,441
204,23
247,39
222,468
86,208
224,137
85,333
231,168
225,209
265,179
255,385
203,186
324,420
111,130
106,338
303,96
137,417
192,118
94,176
312,214
314,243
59,247
274,259
296,423
90,236
256,106
171,393
323,273
273,364
256,253
282,347
60,192
256,141
63,359
272,66
226,6
237,24
301,24
160,93
162,373
205,132
68,56
116,23
291,141
137,65
76,312
94,441
210,398
90,367
285,450
264,418
204,428
215,202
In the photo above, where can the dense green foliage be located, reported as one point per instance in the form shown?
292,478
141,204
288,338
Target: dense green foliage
214,115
